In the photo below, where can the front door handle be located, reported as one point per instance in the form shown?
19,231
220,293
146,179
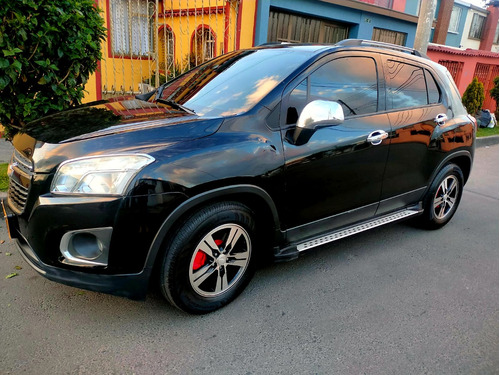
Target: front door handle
376,137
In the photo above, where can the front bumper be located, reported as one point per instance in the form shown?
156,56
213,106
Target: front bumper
133,286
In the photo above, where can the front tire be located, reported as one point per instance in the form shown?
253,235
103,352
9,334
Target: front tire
442,199
210,259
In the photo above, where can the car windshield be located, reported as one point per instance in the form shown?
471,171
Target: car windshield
233,83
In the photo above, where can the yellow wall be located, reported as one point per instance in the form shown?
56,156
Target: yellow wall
125,73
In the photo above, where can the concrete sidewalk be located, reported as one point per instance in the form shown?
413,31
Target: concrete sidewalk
6,150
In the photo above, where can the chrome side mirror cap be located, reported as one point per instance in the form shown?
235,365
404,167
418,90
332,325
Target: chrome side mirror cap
316,114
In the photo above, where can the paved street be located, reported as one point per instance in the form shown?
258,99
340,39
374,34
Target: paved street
395,300
6,150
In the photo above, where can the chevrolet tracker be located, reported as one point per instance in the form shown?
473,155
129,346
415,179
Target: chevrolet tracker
264,152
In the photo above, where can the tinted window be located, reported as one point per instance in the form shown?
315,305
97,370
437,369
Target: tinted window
432,88
405,85
351,81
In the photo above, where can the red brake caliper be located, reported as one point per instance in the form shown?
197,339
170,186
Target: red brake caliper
201,258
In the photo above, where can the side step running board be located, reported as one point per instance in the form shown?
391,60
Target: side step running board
334,236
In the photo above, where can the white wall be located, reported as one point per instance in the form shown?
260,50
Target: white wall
466,42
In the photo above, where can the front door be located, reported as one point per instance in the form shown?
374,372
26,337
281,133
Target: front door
336,177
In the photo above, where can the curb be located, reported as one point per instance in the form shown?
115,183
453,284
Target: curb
487,141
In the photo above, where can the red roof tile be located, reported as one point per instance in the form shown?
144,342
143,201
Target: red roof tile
458,51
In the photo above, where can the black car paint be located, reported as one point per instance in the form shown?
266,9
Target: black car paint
199,160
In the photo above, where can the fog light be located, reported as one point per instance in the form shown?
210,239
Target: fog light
87,247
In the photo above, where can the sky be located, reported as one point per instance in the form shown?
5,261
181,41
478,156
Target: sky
479,3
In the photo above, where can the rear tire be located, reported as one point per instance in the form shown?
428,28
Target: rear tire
442,199
210,259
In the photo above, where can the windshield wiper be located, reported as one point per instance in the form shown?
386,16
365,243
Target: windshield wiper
176,105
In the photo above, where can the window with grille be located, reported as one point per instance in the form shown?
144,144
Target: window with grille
291,28
456,13
454,67
482,72
131,27
389,36
203,45
477,26
166,49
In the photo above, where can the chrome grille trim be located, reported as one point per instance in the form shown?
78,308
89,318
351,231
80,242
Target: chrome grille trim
17,194
356,229
22,162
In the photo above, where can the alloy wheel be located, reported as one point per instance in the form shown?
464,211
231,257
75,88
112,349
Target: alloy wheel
446,196
219,260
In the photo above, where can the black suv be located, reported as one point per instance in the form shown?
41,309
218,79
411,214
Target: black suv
268,151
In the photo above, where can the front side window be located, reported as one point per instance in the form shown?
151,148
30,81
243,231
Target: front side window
405,85
131,26
455,19
350,81
477,26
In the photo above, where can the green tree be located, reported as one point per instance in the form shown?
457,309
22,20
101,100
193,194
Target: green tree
48,49
473,97
494,93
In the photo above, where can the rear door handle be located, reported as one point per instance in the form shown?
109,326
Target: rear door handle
376,137
441,119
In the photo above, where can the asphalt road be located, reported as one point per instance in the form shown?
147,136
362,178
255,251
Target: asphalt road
395,300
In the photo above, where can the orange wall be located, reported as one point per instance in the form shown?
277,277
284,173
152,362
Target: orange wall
467,71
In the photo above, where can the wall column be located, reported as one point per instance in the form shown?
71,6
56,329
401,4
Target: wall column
443,22
490,28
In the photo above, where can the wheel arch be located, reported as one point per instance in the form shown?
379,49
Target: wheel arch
253,196
461,158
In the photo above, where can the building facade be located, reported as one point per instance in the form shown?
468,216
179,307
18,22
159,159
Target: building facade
151,40
465,40
329,21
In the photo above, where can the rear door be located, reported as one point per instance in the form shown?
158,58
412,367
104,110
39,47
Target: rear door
414,100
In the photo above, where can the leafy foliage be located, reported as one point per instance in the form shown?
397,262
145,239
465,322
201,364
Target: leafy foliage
4,179
494,93
48,49
473,97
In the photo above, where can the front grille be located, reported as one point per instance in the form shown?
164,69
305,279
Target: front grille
21,172
18,195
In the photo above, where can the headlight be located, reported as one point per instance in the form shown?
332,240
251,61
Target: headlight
98,174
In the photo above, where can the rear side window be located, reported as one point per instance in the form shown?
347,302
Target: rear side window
351,81
410,86
405,85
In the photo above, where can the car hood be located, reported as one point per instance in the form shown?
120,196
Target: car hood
111,126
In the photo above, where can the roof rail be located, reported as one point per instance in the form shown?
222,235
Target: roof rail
372,43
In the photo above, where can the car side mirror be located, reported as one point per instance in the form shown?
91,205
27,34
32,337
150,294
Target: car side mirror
315,115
